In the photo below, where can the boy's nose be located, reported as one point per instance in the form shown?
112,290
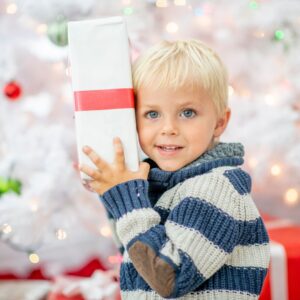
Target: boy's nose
169,127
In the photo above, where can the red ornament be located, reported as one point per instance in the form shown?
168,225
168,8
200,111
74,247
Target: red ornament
12,90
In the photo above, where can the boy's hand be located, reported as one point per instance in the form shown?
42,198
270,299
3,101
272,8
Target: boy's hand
108,175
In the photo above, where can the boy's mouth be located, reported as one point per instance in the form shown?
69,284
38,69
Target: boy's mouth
169,148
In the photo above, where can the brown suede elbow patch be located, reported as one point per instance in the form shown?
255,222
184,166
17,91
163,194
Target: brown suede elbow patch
156,272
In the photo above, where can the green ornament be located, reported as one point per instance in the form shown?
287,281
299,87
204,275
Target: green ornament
10,185
278,35
58,32
3,186
253,4
128,11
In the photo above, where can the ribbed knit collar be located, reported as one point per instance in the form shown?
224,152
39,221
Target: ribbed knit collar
223,154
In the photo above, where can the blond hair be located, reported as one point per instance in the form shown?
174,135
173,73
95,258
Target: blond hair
183,63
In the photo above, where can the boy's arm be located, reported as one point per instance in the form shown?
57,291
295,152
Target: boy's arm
192,245
112,225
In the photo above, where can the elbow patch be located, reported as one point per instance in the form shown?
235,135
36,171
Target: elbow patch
156,272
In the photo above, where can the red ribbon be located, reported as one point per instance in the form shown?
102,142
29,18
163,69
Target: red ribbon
104,99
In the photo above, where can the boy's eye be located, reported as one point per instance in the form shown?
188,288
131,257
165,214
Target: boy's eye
152,115
188,113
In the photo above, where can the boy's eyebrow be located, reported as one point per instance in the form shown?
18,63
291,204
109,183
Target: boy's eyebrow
188,103
149,105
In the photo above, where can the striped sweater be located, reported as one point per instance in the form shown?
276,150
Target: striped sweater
194,233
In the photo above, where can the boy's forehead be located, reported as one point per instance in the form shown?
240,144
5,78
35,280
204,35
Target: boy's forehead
153,96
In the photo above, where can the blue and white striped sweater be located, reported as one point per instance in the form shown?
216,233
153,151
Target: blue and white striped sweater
191,234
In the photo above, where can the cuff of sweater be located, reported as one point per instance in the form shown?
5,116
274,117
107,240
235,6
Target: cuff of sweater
125,197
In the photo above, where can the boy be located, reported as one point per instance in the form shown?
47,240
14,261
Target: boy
189,226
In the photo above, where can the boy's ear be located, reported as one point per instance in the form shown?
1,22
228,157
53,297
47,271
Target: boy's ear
222,123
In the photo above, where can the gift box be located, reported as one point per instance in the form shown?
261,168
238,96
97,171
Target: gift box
102,84
100,286
282,281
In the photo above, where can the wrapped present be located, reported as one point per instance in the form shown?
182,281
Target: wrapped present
284,273
102,84
100,286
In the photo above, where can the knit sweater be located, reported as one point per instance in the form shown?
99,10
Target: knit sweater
194,233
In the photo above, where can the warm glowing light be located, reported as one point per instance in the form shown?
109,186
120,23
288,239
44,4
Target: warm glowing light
105,231
275,170
11,8
172,27
270,99
252,162
161,3
61,234
259,34
6,228
230,91
34,258
116,259
180,2
126,2
34,204
41,28
245,92
291,197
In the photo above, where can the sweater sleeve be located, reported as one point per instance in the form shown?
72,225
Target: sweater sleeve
112,225
194,242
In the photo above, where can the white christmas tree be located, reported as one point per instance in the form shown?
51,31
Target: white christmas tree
42,202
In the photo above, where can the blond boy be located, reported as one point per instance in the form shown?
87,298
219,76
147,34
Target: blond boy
186,220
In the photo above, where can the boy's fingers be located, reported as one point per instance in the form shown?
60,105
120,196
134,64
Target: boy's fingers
90,172
95,158
86,184
144,169
119,152
94,185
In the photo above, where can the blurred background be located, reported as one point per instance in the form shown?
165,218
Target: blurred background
49,224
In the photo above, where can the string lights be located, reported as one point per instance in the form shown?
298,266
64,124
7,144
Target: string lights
33,258
162,3
172,27
11,8
61,234
105,231
276,170
291,197
180,2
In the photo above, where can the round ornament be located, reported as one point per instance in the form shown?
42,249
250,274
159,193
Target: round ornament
58,33
12,90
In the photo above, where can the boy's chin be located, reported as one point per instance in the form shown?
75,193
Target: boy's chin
170,167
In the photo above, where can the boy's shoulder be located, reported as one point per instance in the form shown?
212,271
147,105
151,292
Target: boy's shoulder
233,176
226,188
219,183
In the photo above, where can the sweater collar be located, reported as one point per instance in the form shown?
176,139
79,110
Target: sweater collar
223,154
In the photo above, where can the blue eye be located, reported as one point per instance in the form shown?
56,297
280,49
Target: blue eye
152,115
188,113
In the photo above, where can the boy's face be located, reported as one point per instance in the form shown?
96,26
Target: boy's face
175,127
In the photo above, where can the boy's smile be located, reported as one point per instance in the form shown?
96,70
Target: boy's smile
175,127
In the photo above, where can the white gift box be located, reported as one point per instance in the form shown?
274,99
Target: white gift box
102,84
